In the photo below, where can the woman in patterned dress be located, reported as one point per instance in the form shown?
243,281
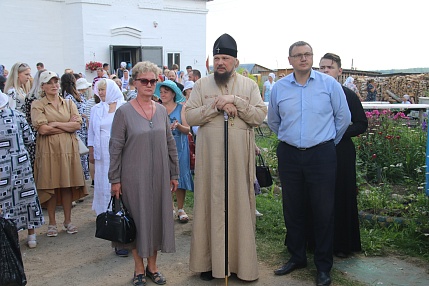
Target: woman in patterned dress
69,92
32,96
18,195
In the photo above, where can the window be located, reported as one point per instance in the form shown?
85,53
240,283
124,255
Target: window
173,58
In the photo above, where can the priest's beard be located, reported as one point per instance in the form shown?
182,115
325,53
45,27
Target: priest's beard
222,78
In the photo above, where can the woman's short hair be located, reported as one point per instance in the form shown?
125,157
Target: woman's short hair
144,67
102,84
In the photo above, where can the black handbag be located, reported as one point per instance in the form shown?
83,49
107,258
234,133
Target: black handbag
263,174
116,226
11,265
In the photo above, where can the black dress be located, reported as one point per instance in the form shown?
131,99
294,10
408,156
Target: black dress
347,235
346,226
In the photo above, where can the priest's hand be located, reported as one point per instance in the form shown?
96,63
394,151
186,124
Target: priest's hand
222,100
230,109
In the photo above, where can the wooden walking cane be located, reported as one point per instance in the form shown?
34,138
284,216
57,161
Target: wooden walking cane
225,116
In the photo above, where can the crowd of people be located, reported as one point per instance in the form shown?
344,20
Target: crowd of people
137,123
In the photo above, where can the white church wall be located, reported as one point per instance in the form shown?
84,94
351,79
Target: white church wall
69,33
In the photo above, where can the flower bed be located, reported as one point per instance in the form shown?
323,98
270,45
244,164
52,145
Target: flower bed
92,66
393,149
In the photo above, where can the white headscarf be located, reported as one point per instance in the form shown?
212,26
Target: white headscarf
113,94
272,75
349,81
100,110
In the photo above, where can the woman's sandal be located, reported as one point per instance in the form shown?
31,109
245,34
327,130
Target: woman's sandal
156,277
183,217
52,231
70,228
139,280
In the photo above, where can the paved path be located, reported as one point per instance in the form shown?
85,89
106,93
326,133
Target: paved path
384,271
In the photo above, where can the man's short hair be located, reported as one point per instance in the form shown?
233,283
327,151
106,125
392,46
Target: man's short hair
332,57
105,65
298,44
196,73
188,67
40,65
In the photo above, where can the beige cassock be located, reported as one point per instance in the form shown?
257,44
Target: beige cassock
207,243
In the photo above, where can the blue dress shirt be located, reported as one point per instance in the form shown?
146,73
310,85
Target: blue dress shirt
306,115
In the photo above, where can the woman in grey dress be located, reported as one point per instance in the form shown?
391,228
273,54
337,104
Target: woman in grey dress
144,169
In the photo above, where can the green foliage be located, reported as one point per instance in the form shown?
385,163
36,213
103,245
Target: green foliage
270,229
391,186
391,150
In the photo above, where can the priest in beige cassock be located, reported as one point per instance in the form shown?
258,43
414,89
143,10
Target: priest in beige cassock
238,96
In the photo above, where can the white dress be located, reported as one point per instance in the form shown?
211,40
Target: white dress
101,181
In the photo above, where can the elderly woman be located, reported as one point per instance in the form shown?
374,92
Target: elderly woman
17,176
171,97
187,89
349,83
144,169
98,143
268,86
57,168
18,85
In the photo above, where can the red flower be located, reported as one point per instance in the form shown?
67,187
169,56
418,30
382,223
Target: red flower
374,156
92,66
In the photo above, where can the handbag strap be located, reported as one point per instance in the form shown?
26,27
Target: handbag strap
121,204
261,161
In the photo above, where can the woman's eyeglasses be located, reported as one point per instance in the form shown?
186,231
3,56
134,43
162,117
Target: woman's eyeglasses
145,81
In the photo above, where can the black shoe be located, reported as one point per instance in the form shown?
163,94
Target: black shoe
340,254
289,267
206,276
121,252
323,278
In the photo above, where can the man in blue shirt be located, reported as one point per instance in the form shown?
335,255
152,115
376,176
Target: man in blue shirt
309,113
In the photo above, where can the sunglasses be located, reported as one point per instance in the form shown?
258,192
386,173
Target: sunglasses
145,81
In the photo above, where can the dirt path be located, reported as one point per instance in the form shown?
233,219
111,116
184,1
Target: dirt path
82,259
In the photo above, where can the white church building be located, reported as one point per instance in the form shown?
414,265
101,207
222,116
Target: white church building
70,33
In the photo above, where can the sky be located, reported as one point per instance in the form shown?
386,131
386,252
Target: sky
373,35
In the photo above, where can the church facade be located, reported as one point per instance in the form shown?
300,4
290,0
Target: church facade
70,33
